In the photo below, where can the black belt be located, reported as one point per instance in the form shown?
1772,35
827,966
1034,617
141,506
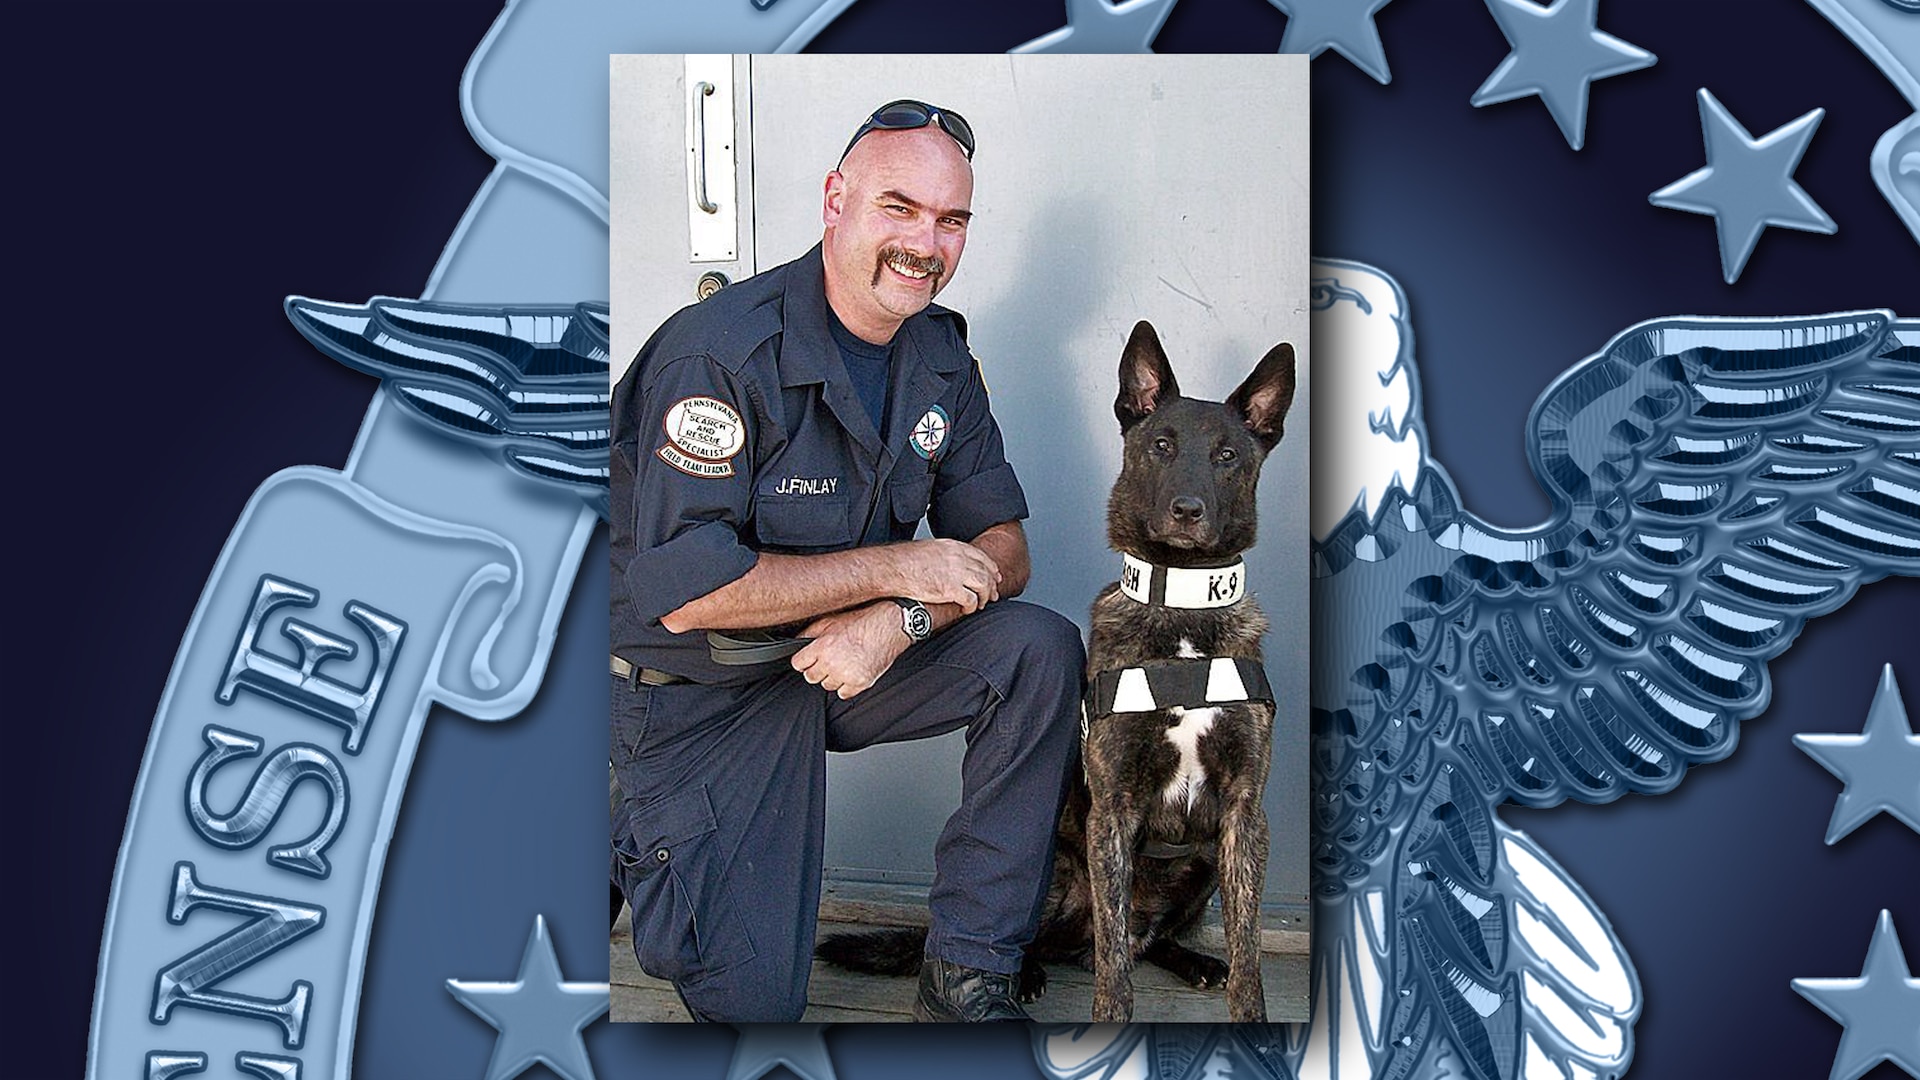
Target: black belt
645,676
740,648
749,648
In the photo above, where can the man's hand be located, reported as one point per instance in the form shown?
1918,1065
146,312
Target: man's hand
948,572
851,649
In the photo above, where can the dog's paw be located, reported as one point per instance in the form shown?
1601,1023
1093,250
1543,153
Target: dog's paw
1032,982
1205,972
1196,969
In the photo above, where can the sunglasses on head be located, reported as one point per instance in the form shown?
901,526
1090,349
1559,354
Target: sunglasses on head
907,114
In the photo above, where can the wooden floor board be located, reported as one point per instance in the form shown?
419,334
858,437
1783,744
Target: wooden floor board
836,996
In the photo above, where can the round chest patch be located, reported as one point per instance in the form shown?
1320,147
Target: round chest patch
930,434
703,434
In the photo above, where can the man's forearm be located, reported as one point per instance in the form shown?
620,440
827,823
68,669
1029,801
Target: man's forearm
951,577
788,588
1006,545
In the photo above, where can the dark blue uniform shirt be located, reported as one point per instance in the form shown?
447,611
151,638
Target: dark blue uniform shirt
737,431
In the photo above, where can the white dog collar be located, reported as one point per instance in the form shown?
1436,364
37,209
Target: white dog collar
1180,587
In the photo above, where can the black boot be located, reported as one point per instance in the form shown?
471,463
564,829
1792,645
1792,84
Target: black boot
950,993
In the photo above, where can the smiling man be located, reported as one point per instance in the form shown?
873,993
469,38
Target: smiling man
774,450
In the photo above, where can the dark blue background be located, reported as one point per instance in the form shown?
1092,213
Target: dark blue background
176,171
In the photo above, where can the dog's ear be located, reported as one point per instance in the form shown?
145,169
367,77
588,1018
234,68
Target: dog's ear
1146,379
1262,401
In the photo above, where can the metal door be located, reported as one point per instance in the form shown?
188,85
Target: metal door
1107,189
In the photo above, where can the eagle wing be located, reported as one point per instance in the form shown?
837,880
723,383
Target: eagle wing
1716,483
526,383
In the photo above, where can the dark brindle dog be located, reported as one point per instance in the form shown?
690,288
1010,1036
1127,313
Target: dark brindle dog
1179,718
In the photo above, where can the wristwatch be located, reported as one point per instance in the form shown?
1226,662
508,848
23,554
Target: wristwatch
915,619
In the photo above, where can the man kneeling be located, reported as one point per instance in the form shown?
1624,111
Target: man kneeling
774,449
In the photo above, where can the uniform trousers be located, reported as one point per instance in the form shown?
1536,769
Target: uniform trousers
718,841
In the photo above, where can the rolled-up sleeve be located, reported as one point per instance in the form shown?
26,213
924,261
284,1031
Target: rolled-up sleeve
976,488
695,430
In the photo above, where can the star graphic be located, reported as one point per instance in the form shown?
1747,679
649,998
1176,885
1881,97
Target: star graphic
1880,766
1346,26
1878,1009
764,1047
1556,55
1095,26
1747,184
539,1015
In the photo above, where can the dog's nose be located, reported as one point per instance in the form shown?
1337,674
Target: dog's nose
1188,508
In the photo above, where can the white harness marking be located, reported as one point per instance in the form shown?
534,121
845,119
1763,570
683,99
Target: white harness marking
1185,737
1133,694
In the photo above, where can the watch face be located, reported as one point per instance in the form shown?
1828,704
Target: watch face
918,622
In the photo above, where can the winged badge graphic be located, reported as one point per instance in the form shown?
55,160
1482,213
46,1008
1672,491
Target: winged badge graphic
525,383
1715,483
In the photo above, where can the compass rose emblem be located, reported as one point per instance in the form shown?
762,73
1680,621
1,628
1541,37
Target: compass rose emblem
930,434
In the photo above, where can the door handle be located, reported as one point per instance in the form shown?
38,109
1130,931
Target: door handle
701,92
713,101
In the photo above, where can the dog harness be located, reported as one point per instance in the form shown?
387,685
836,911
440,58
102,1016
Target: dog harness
1187,682
1192,683
1184,682
1195,683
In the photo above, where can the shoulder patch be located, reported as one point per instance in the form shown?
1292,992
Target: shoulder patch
703,435
930,434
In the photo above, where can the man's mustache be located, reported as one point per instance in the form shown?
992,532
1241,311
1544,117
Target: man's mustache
925,264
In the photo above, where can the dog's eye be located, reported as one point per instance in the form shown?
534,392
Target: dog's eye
1224,455
1163,446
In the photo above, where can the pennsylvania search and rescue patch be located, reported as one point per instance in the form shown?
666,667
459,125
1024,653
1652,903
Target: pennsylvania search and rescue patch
703,435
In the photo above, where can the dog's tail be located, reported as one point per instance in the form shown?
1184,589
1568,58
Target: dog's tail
894,951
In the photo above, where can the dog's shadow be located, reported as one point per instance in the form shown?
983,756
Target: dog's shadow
1047,338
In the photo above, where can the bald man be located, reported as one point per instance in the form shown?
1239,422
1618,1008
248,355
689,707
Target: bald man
774,450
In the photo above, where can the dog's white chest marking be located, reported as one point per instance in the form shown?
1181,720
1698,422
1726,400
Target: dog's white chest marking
1186,651
1191,776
